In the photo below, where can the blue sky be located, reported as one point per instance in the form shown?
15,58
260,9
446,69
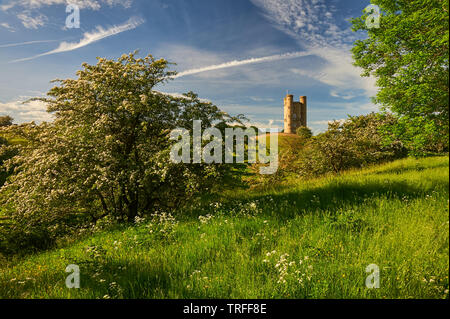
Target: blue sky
243,55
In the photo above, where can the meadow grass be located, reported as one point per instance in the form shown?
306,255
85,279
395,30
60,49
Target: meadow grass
302,239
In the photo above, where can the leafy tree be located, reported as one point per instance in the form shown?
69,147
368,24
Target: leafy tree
409,56
357,142
107,151
304,132
6,120
7,151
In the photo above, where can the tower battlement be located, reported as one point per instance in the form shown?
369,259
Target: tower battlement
295,114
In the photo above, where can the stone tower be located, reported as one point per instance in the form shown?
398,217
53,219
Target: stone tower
294,114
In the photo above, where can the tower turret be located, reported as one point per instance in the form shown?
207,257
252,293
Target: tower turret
303,111
288,113
295,114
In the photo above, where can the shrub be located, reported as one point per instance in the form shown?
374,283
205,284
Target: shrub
304,132
7,152
6,121
356,142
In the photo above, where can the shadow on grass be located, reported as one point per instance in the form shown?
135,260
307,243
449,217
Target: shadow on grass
133,279
330,197
405,169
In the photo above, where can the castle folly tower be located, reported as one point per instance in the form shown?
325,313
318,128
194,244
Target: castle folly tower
294,114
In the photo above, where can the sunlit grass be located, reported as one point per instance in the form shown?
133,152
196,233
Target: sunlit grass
306,239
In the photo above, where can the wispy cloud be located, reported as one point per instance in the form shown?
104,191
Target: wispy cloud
30,15
265,124
90,37
313,24
32,22
25,43
328,122
7,26
261,99
82,4
314,21
235,63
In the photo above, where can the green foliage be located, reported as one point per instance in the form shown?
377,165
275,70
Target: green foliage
417,134
409,57
304,132
7,152
6,121
356,142
107,152
310,239
290,148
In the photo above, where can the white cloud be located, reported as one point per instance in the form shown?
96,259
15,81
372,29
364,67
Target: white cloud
328,122
5,7
264,124
7,26
90,37
32,22
180,95
261,99
253,111
347,96
82,4
31,111
300,17
29,10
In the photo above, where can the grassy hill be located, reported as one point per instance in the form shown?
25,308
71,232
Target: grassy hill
305,239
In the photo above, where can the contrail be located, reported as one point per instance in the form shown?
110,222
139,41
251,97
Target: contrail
243,62
24,43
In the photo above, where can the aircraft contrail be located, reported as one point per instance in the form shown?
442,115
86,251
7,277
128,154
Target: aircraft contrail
24,43
243,62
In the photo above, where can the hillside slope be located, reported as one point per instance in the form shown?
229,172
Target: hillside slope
308,239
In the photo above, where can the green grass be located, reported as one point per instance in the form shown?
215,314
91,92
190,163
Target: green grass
13,140
394,215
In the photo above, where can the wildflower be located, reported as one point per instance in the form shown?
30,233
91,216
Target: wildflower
144,98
